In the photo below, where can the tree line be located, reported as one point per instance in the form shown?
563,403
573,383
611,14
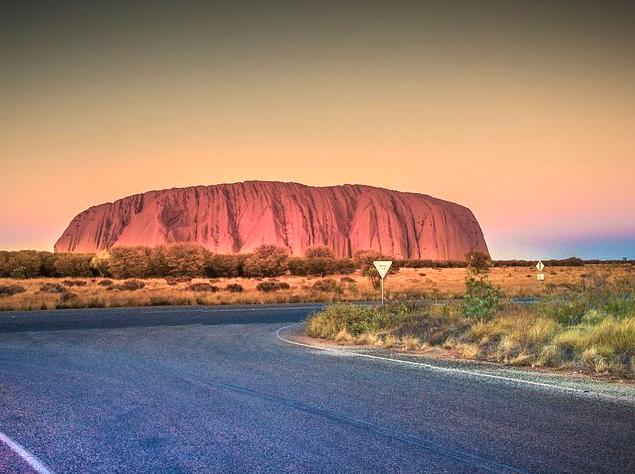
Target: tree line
196,261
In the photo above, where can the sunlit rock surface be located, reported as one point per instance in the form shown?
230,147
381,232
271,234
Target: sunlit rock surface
237,218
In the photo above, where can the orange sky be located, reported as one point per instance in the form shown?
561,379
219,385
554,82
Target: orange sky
532,128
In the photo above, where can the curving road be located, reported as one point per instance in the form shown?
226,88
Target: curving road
214,390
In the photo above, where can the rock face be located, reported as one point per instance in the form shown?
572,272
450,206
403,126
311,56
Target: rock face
237,218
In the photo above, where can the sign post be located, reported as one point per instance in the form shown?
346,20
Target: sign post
540,267
382,267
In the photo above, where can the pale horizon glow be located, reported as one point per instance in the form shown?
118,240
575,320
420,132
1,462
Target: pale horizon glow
525,114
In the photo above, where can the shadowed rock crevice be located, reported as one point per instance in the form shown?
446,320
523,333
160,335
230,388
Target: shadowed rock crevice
239,217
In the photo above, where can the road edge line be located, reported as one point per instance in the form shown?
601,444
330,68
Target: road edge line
26,456
442,369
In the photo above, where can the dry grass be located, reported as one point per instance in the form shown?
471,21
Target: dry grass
409,283
589,328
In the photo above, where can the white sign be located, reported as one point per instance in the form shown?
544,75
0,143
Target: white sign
382,267
540,276
540,266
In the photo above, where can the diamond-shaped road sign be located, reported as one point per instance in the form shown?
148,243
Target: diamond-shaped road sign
540,266
382,266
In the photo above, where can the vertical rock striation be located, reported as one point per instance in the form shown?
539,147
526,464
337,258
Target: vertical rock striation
237,218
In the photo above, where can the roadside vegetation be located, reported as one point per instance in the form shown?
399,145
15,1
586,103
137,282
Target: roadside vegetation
590,327
188,260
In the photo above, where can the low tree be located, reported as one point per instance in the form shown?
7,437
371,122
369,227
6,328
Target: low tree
220,265
319,252
267,261
99,263
185,260
129,262
364,260
481,298
73,264
478,262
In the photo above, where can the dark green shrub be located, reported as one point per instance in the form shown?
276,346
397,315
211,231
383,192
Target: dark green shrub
105,282
203,287
129,262
52,288
186,260
269,286
10,290
227,266
319,252
266,261
74,283
325,285
364,260
478,262
234,288
130,285
73,264
481,298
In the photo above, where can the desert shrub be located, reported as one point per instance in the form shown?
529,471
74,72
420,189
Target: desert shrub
266,261
298,266
99,264
478,262
227,266
67,296
325,285
344,266
129,285
129,262
320,265
203,287
10,290
157,261
234,288
271,285
364,260
185,260
52,288
175,280
349,280
481,298
105,282
20,264
73,264
319,252
74,283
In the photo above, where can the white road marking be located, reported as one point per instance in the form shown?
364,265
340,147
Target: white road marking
472,373
25,455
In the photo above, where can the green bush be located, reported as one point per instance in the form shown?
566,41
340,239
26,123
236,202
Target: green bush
10,290
73,265
270,285
185,260
266,261
203,287
224,266
74,283
481,298
364,261
234,288
325,285
129,262
52,288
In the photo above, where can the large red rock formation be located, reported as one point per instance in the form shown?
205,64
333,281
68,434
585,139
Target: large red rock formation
237,218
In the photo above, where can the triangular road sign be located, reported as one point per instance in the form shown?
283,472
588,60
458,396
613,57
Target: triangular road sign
382,266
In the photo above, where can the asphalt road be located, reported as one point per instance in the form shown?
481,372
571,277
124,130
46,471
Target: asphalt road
214,390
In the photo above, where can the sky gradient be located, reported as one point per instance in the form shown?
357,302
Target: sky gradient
522,111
